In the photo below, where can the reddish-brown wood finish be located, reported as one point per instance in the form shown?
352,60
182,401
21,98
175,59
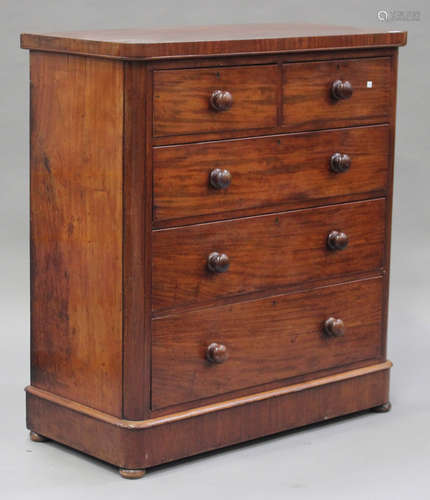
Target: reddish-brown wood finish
137,233
132,473
341,89
221,100
280,59
37,438
308,103
265,252
390,193
76,228
334,327
210,40
182,99
266,340
268,171
208,265
138,445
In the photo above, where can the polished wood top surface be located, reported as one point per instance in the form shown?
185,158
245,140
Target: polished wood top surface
153,43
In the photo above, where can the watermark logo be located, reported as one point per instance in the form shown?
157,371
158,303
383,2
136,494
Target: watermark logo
391,16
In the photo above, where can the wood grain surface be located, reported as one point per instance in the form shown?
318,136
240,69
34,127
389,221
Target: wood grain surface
268,171
259,59
147,43
76,228
137,196
265,252
307,100
266,340
142,353
152,442
182,99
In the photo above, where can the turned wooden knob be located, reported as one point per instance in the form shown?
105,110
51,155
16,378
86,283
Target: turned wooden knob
334,327
217,353
336,240
220,178
221,100
341,90
340,162
218,262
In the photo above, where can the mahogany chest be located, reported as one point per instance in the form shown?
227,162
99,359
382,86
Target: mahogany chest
210,234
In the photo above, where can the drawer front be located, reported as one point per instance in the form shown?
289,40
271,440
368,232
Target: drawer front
264,252
265,340
190,180
308,101
185,103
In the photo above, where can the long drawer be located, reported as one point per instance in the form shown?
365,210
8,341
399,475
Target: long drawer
205,262
225,176
265,340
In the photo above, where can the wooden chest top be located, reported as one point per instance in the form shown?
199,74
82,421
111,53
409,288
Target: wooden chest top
211,40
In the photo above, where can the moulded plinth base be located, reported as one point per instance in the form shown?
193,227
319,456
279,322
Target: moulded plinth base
136,445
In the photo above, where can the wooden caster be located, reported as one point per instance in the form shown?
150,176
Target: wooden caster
132,473
386,407
37,438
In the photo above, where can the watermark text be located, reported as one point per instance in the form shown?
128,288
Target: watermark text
391,15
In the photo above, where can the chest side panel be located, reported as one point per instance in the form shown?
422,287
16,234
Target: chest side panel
76,228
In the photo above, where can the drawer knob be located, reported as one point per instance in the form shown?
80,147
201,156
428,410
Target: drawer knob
218,262
220,178
340,162
337,240
217,353
341,90
334,327
221,100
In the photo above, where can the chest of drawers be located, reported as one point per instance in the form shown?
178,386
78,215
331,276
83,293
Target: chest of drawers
210,234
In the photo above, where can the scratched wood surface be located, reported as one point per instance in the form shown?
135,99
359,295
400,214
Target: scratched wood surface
268,172
265,252
307,100
148,43
182,99
76,228
199,430
266,340
123,302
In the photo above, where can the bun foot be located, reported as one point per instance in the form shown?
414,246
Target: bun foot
37,438
132,473
386,407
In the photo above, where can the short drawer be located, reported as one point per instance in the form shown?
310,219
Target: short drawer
264,341
318,95
223,176
195,101
205,262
